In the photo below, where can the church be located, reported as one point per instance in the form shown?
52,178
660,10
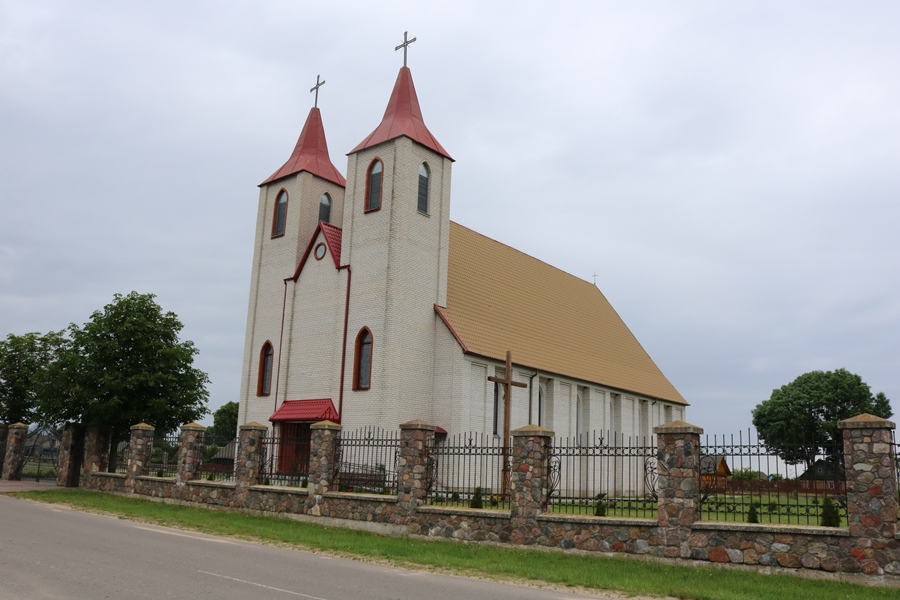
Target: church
370,307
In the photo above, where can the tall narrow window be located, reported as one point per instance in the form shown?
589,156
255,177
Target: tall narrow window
266,355
325,208
362,371
373,186
424,176
280,218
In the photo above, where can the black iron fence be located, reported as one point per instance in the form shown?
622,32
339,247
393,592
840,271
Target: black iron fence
469,469
743,480
40,454
164,456
218,456
366,461
603,475
286,461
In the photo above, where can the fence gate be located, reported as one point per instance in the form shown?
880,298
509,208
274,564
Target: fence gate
40,456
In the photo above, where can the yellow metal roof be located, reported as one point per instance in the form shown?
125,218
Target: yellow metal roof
500,299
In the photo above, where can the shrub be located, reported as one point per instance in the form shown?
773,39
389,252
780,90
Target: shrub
831,516
476,501
495,500
454,497
600,507
753,515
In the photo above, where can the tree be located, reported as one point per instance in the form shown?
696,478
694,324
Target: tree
225,423
801,418
23,368
126,365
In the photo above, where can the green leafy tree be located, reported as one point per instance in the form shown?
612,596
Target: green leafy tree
126,365
801,418
23,372
225,423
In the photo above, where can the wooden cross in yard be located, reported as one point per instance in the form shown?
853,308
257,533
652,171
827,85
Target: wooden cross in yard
506,382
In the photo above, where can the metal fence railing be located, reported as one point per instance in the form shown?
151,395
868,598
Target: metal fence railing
218,456
603,475
743,480
469,470
366,461
164,456
286,460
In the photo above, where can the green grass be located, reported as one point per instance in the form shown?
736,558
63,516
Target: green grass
593,572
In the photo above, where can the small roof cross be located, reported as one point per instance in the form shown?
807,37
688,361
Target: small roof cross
405,45
315,89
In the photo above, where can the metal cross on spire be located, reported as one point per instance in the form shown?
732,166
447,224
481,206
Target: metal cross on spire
315,89
405,45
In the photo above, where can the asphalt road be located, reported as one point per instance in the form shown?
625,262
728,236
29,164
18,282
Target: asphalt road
47,551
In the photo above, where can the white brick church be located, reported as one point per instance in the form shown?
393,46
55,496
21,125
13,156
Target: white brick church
368,306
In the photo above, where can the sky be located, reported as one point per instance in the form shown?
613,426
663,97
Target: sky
727,170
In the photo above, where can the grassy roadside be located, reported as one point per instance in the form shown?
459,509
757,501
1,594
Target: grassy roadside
593,572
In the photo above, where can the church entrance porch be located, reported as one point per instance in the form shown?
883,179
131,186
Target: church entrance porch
287,455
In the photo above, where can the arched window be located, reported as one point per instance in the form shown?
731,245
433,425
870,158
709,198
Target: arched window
266,355
362,369
373,186
280,218
424,175
325,208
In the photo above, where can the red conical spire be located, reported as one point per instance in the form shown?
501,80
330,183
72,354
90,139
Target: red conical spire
403,117
310,154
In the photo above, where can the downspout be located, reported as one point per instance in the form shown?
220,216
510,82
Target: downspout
280,342
344,348
531,395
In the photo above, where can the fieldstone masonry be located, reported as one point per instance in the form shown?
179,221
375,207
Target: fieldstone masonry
870,545
65,468
3,433
190,451
15,447
139,451
416,439
96,448
678,466
528,481
871,491
322,448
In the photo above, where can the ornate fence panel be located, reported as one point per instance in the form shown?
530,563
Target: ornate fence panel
366,461
286,460
743,480
465,465
40,455
218,456
611,475
164,456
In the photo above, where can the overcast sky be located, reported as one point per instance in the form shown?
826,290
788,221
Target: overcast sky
729,170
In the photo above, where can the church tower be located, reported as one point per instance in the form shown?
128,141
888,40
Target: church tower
307,189
395,238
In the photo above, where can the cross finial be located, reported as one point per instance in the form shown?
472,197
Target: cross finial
405,45
595,279
315,89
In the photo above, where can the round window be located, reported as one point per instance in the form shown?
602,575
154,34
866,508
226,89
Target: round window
319,252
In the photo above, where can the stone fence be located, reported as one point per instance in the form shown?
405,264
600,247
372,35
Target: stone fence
869,544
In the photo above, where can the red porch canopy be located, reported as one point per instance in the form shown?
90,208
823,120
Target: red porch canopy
306,410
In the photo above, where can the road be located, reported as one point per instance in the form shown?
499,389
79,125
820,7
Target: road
48,551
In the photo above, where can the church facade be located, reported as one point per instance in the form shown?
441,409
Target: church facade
369,307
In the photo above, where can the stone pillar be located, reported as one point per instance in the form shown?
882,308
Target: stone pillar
139,449
65,465
190,453
529,481
4,431
323,444
416,441
678,465
251,453
15,449
96,449
871,478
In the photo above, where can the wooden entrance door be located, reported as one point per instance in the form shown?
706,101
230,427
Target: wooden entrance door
293,458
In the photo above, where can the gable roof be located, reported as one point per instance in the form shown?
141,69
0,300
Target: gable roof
332,236
500,299
402,117
306,410
310,154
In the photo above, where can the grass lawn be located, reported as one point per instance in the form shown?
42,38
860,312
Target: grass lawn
567,569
